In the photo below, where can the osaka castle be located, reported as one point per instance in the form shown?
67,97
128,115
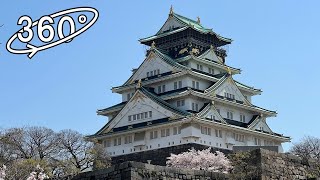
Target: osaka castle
184,93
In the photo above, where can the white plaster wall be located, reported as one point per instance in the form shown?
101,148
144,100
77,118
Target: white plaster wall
190,100
151,65
205,67
124,95
203,84
236,112
189,134
170,84
140,106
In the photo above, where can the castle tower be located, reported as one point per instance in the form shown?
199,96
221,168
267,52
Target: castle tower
183,93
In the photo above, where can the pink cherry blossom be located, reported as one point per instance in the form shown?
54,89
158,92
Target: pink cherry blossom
200,160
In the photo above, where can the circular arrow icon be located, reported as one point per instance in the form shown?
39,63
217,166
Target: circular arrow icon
32,49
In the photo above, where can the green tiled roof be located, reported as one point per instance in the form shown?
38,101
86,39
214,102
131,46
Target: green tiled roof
246,86
120,105
188,23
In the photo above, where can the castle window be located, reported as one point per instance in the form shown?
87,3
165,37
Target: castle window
268,143
138,116
212,117
167,132
180,84
195,107
218,133
195,84
151,73
199,67
107,143
257,141
242,118
175,131
163,88
205,130
128,96
238,137
119,141
147,74
175,85
150,114
127,139
229,115
146,114
228,95
153,134
159,89
158,71
134,117
129,118
163,133
211,71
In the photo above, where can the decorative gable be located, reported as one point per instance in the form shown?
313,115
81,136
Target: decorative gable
140,108
261,125
229,90
153,65
169,25
211,55
210,112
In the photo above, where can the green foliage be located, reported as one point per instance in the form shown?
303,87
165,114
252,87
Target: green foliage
244,166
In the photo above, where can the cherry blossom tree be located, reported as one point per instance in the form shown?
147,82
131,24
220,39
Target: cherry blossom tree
3,172
38,174
200,160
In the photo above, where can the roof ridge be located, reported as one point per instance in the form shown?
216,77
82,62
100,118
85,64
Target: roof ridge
180,16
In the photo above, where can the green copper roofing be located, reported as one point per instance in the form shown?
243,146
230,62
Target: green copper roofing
247,87
188,23
191,23
114,107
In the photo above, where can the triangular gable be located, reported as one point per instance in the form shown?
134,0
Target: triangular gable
260,124
154,61
211,55
142,102
227,85
209,111
170,24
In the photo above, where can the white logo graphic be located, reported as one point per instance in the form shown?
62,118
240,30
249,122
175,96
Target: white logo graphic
44,24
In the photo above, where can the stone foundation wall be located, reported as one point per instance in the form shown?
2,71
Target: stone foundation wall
138,171
270,165
159,156
285,166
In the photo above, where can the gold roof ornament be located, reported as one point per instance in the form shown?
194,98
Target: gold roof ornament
139,85
153,45
171,10
229,71
198,20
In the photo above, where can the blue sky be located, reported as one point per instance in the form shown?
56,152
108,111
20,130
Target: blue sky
276,44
